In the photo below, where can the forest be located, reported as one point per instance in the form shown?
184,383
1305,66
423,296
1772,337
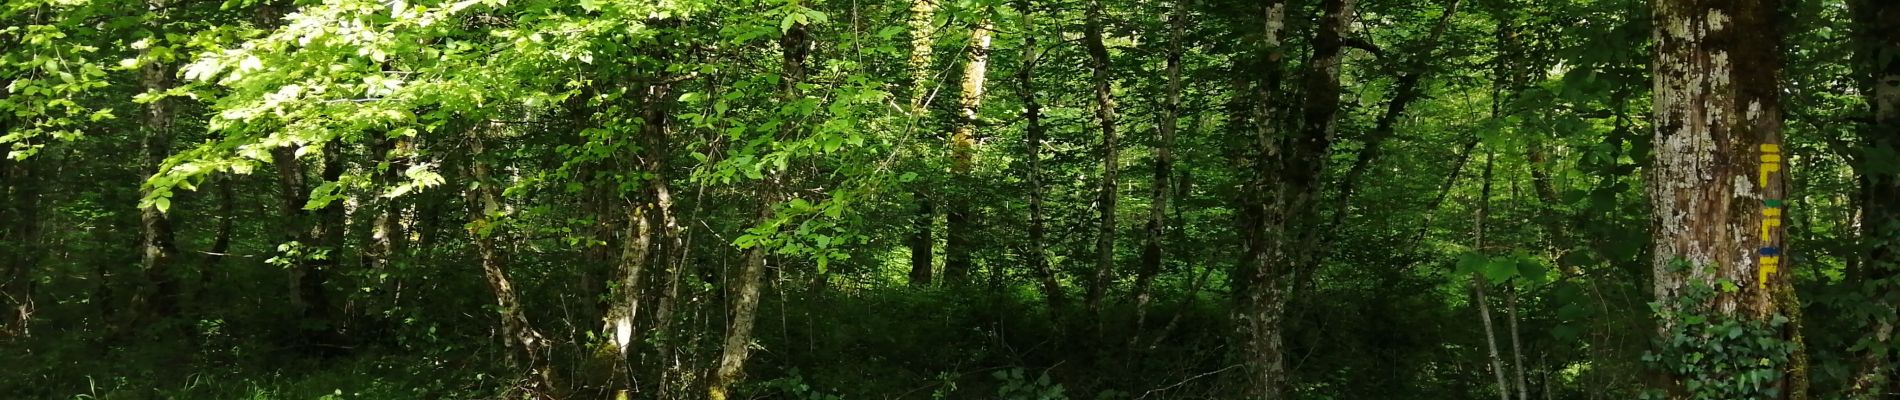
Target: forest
949,199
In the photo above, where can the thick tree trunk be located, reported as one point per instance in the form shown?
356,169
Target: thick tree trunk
1262,302
1290,173
962,228
1032,137
1105,118
484,205
1152,246
1880,47
1716,178
795,48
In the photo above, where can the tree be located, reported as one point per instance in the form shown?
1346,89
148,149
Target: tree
1717,188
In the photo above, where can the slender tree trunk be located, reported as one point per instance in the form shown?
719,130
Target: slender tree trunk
484,206
1478,286
962,229
921,240
1880,47
1032,136
158,297
1517,343
795,47
1716,178
1152,247
1106,118
673,250
922,42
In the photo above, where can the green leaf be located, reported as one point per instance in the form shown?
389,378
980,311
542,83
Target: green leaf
1500,269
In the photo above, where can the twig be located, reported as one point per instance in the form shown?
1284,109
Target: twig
1185,381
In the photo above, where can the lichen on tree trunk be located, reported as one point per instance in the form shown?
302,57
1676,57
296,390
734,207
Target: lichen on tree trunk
1716,178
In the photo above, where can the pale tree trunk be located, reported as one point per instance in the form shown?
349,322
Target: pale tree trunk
1152,246
672,249
1262,300
484,206
1106,118
1880,47
623,298
922,42
157,297
795,48
1716,180
1032,137
922,39
957,263
1479,298
1290,175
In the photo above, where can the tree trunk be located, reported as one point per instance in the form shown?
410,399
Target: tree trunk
921,240
957,263
1478,286
484,206
922,42
1261,297
1715,180
1880,47
1105,117
157,298
327,230
795,47
1152,247
1290,174
1032,137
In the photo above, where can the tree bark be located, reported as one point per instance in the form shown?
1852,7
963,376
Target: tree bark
1478,285
957,263
1262,299
1152,247
484,206
1033,132
157,298
921,240
1291,173
1716,178
1105,117
795,48
922,42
